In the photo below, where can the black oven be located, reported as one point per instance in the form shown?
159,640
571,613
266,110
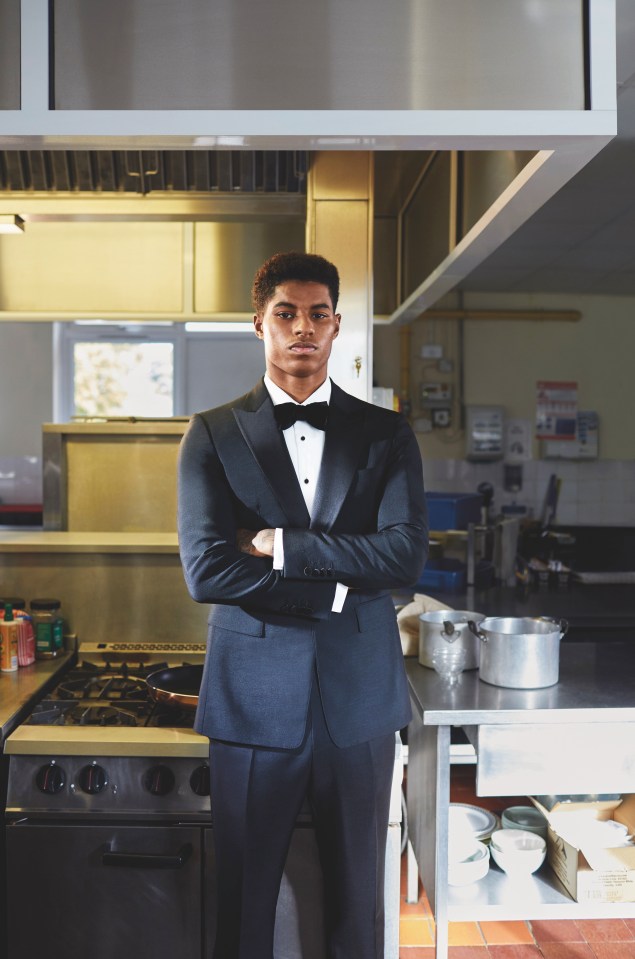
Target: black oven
130,891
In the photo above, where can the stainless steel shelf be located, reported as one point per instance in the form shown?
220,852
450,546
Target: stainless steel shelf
541,896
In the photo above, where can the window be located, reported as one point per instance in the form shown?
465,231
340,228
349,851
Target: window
107,370
154,370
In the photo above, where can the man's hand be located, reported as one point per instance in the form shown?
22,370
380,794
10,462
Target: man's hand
255,543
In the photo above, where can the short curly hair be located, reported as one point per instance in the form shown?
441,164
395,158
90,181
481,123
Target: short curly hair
282,267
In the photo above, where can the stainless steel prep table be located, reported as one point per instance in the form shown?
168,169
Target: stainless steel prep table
575,737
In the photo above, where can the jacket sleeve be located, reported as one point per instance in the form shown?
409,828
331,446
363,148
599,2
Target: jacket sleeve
215,570
389,557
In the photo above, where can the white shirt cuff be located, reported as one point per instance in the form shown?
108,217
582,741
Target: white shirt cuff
278,549
341,592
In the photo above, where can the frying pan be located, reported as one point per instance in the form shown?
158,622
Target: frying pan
177,686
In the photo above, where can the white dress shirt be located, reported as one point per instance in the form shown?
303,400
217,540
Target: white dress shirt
305,444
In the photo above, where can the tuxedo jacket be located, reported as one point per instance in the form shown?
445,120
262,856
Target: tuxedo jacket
270,631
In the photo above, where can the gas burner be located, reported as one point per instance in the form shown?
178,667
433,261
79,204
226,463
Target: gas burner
47,714
110,686
87,714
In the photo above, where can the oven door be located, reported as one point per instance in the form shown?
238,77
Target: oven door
103,891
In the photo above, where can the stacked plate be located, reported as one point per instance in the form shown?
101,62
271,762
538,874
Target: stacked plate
480,823
470,828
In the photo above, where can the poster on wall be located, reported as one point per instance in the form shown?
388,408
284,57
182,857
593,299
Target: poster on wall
556,409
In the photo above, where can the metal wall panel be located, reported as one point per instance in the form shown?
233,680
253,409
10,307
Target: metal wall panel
92,267
486,174
426,225
358,55
228,255
10,55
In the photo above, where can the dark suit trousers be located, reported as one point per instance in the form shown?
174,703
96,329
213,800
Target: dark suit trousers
257,794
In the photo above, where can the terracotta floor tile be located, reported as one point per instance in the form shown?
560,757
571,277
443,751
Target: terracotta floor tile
506,932
613,950
630,923
469,952
420,909
567,950
415,932
464,934
555,930
523,951
416,952
604,930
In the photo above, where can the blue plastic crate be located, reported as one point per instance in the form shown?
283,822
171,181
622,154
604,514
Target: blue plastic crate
444,576
453,510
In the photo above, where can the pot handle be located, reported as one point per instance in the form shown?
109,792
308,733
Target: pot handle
564,626
473,628
449,632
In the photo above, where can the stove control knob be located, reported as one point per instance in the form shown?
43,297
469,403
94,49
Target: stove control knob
92,779
51,779
199,781
159,780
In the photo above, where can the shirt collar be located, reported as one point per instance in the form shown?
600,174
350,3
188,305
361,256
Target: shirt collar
321,395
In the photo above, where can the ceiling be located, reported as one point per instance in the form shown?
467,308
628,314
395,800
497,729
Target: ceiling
583,239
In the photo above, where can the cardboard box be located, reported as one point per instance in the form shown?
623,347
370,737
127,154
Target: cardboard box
588,873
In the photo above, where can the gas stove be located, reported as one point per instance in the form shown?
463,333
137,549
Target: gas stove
99,745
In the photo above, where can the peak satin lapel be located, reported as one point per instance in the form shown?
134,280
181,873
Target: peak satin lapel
342,447
268,447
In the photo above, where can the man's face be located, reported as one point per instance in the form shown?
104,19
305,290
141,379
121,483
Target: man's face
298,327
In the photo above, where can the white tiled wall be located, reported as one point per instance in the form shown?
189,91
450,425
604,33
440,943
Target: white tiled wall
598,493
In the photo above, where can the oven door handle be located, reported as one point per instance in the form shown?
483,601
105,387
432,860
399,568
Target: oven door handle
145,860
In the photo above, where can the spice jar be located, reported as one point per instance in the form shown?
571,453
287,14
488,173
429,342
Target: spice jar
48,626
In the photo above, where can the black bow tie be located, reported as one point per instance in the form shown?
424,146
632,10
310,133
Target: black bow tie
316,414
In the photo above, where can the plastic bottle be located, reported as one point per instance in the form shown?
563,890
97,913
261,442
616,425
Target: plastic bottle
26,636
49,627
8,641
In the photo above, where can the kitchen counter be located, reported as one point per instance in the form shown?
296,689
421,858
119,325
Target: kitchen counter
576,737
20,690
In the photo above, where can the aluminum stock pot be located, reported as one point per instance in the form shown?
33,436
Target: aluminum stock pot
520,652
443,627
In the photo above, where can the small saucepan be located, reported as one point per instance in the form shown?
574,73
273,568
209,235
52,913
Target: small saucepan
176,686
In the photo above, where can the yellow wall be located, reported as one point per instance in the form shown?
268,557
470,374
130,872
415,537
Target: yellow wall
504,359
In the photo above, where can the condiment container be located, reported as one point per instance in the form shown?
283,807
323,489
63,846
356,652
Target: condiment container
48,626
8,641
26,636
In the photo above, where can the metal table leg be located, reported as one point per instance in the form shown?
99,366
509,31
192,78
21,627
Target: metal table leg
412,889
428,817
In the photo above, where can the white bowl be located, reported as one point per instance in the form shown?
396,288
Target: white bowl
524,817
472,868
517,851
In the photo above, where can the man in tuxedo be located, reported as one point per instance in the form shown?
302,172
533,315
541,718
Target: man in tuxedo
300,507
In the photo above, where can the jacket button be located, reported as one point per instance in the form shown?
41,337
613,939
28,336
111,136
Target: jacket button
307,570
329,572
322,572
316,571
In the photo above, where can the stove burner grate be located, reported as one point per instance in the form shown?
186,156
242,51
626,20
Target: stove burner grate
109,686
